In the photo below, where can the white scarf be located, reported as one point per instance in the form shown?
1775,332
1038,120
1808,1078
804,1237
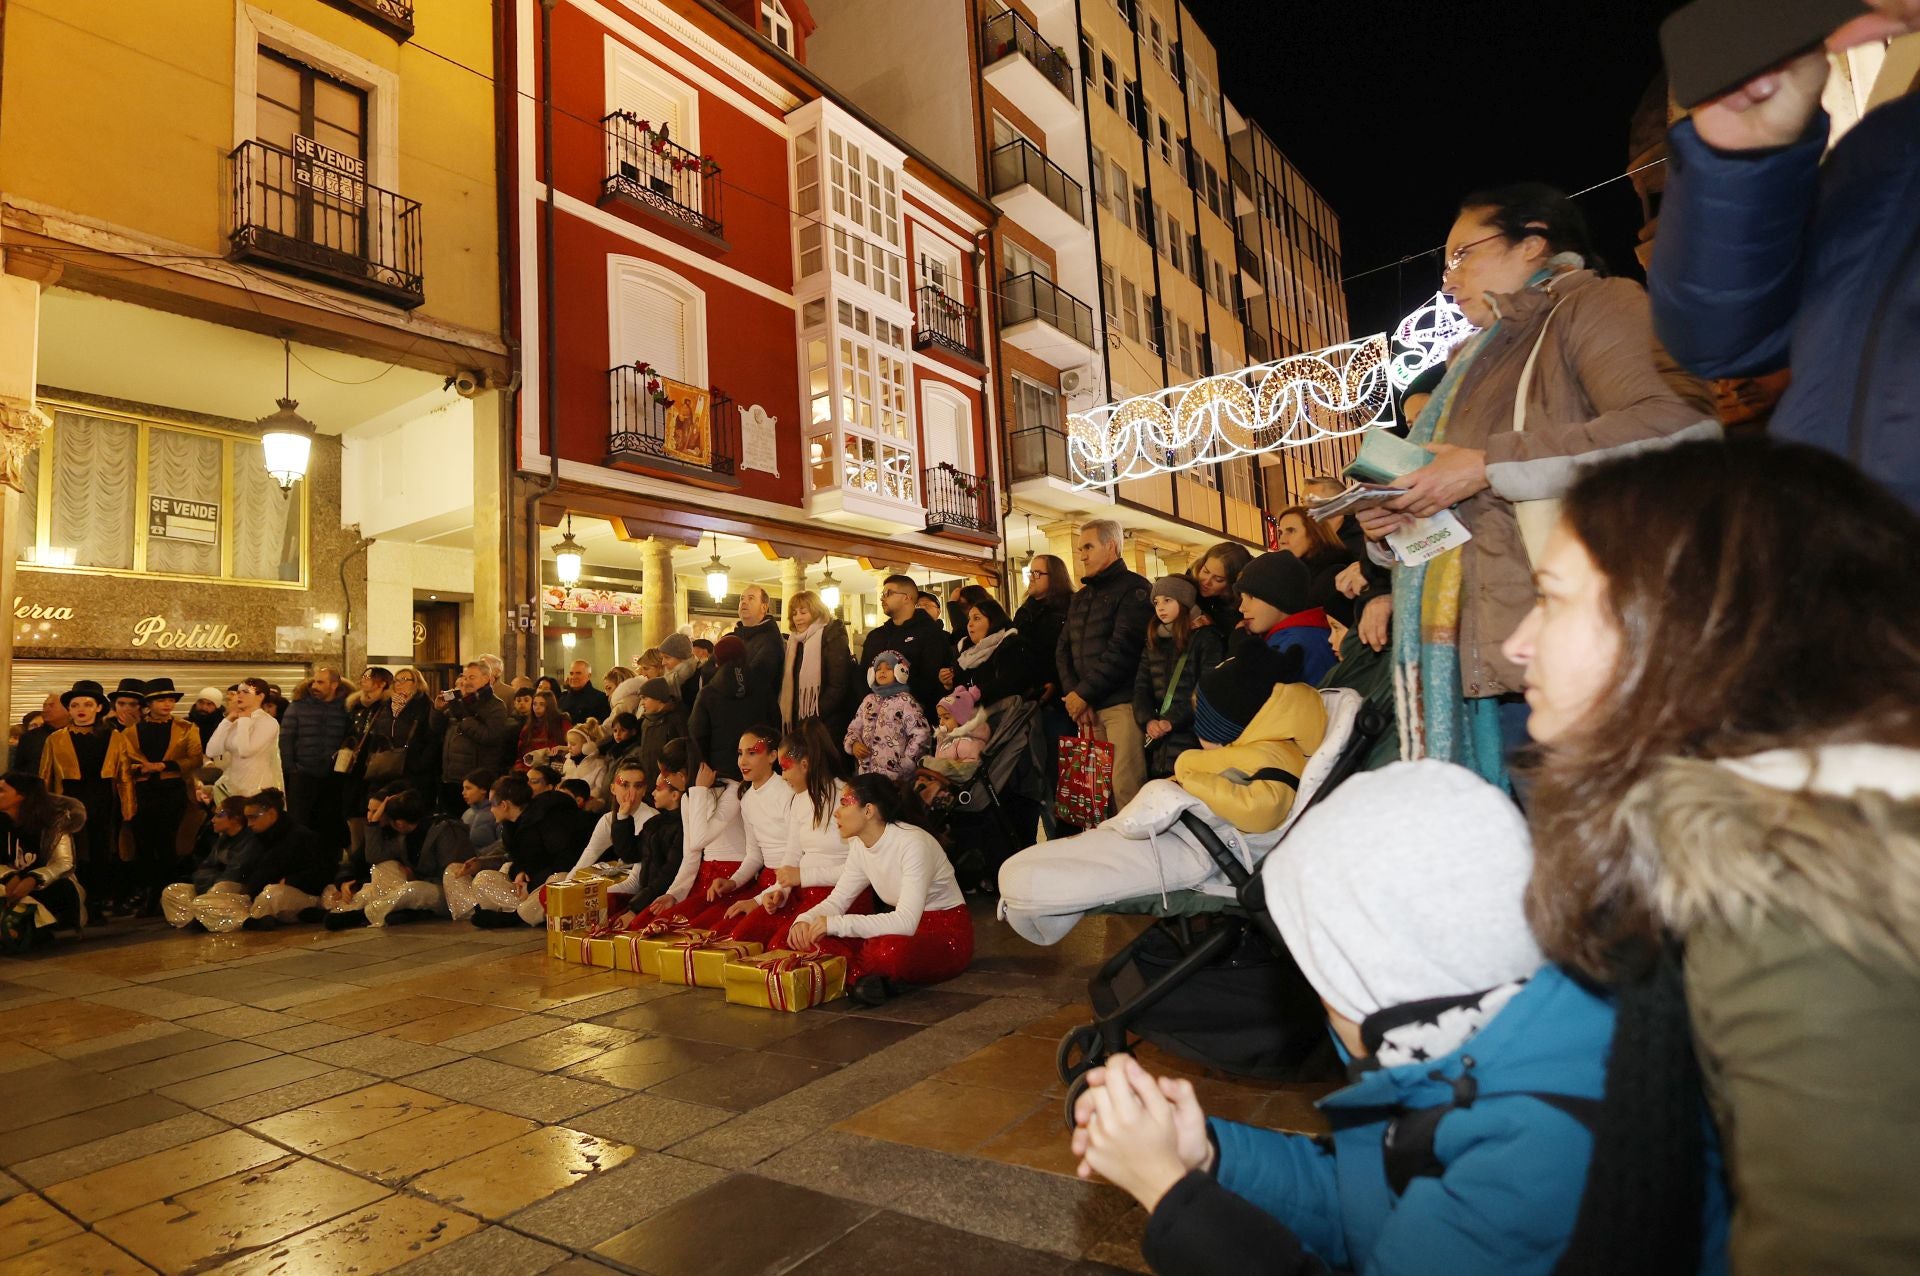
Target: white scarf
980,652
804,647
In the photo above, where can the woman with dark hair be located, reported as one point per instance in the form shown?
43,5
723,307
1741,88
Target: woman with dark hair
1216,575
1564,373
1723,674
815,771
1041,618
551,685
1307,539
247,743
993,656
926,934
545,732
37,831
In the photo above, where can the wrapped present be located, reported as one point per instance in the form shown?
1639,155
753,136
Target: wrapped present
781,980
600,950
650,940
557,941
573,948
702,963
576,906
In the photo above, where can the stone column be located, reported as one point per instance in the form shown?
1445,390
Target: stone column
1179,559
656,592
1060,537
20,426
793,579
492,483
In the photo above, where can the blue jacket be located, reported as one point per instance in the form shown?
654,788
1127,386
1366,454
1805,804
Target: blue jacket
312,731
1513,1167
1309,640
1771,258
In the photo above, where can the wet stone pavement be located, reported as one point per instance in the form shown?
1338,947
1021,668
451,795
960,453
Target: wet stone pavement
439,1099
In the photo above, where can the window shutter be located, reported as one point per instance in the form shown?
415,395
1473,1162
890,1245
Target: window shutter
652,323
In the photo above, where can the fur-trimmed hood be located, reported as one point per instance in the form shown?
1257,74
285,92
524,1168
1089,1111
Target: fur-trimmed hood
1829,836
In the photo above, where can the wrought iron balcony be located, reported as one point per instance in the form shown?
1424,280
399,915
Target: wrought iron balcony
395,17
947,324
1019,163
663,427
648,171
309,215
1038,452
1029,297
958,501
1008,32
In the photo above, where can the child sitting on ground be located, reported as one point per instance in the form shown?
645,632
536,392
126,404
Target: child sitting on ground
1462,1144
888,734
961,736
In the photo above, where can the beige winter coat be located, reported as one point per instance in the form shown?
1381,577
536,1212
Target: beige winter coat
1602,387
1794,880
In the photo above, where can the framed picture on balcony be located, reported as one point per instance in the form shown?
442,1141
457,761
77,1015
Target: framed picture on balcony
688,432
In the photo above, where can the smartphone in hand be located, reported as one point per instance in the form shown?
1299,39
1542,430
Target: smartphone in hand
1714,46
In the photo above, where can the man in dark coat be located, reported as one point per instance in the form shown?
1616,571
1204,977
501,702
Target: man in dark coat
759,629
53,716
917,636
1099,651
312,730
581,699
472,724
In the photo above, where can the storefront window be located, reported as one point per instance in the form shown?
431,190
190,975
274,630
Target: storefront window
144,498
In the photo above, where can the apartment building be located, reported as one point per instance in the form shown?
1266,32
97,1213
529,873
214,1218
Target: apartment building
747,313
1123,261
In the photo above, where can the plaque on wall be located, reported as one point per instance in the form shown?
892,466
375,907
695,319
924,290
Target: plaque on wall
758,446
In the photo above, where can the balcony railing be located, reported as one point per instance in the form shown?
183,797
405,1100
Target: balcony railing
1258,351
958,501
1029,296
395,17
1020,162
649,171
1008,32
1249,260
946,323
1038,452
1237,174
660,427
310,217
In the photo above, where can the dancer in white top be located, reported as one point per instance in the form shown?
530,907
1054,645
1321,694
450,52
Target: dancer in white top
926,933
814,773
247,743
713,861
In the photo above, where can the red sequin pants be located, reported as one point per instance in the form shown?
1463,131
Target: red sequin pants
939,950
695,910
770,929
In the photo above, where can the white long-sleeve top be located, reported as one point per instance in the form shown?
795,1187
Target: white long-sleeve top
907,870
250,750
818,849
602,838
763,815
710,826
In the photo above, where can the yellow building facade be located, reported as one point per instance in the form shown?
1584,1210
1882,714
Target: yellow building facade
205,208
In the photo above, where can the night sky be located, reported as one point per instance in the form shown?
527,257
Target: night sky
1394,110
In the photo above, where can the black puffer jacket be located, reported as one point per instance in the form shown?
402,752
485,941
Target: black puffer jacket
722,712
655,849
1099,651
1206,647
548,837
1040,621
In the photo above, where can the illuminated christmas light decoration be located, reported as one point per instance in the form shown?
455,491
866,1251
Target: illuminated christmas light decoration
1425,338
1288,403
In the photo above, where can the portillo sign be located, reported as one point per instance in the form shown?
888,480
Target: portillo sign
153,631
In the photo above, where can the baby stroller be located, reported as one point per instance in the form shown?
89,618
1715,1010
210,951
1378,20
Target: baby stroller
1211,980
994,814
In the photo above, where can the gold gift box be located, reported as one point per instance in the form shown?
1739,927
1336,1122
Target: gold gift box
702,963
573,948
807,980
602,950
578,906
648,947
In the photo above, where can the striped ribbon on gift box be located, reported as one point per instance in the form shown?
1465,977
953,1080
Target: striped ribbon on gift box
732,947
815,967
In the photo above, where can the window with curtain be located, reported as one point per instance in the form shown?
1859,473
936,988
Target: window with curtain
146,498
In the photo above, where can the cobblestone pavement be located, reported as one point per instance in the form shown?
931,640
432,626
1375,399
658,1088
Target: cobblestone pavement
440,1099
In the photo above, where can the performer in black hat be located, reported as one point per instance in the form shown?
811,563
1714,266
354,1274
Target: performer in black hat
151,762
128,703
74,764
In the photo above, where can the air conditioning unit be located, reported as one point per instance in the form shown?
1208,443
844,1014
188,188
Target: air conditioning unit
1071,381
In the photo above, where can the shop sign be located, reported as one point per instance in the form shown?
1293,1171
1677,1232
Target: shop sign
335,174
196,522
24,610
153,631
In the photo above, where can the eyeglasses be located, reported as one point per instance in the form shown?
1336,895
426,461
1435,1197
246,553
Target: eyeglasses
1459,255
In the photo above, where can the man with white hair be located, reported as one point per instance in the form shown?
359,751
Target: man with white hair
1100,648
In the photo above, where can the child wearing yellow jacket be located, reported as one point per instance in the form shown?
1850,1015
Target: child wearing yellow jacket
1255,738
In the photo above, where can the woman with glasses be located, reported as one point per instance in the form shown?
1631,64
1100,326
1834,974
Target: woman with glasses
1565,372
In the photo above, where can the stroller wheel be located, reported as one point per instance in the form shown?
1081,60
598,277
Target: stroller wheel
1080,1050
1074,1091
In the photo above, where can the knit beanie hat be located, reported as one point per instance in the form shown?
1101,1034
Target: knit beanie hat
1278,579
1405,884
895,661
213,694
679,646
729,650
1233,691
1178,588
656,689
961,704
